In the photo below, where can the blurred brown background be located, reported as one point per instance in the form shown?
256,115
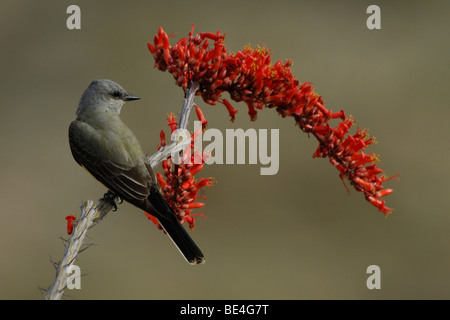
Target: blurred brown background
294,235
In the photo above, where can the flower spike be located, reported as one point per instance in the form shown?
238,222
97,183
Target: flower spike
249,76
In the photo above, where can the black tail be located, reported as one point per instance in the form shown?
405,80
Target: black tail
169,221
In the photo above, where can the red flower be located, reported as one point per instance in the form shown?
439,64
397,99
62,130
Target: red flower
70,219
230,109
201,117
162,139
249,76
172,123
178,184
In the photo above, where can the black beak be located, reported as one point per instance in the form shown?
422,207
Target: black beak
130,98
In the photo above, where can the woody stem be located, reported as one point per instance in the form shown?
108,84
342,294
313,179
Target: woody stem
180,144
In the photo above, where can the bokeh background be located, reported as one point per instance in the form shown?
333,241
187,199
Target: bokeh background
293,235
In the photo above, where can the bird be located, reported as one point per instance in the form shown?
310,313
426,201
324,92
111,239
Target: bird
103,144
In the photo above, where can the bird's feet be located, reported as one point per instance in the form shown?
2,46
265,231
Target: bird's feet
110,197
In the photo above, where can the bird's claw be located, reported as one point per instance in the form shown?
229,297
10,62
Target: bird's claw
111,199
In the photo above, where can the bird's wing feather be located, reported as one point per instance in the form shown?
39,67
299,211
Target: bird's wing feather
89,151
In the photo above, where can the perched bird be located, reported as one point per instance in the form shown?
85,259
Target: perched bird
101,143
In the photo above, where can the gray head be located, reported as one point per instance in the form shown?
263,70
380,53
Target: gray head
104,95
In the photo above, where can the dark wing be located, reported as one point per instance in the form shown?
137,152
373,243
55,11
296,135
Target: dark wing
90,151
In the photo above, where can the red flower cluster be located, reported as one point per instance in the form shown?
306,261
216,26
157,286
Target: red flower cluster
178,185
249,76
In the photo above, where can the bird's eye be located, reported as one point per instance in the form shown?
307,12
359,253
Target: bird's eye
116,94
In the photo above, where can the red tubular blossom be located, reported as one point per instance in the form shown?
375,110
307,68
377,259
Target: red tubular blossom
195,135
251,111
379,204
249,76
187,184
232,112
162,139
340,114
196,168
213,36
70,220
172,123
367,186
204,182
164,39
192,205
161,180
201,117
151,48
383,193
321,129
